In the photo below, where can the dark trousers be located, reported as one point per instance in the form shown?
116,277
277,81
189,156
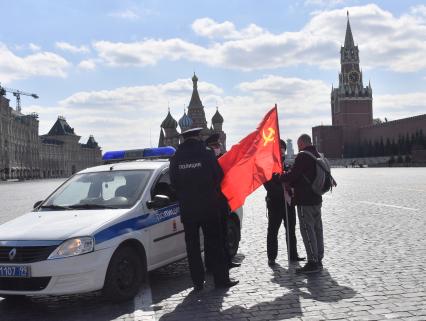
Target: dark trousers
224,225
224,218
276,216
213,243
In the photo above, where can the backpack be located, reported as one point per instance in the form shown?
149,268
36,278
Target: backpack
323,181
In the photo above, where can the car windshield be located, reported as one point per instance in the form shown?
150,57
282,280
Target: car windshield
99,190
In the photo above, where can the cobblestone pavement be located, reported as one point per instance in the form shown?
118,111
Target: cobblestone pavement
375,248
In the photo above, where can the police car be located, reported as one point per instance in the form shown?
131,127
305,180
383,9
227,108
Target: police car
103,228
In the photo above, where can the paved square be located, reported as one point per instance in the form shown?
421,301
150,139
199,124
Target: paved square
375,248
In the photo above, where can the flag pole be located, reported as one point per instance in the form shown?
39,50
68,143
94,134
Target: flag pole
287,233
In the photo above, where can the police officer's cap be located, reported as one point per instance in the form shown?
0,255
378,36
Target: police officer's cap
192,132
212,139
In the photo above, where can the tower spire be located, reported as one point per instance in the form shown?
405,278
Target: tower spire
195,98
349,40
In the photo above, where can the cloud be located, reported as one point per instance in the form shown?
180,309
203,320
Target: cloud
395,106
65,46
41,63
148,52
34,47
286,88
127,14
207,27
149,98
385,41
88,64
419,10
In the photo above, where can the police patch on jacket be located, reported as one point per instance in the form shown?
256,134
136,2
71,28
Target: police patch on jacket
190,165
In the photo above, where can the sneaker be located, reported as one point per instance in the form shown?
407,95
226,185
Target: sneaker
271,262
234,265
310,267
226,284
297,259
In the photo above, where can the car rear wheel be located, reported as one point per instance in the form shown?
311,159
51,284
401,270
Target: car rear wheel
124,275
233,236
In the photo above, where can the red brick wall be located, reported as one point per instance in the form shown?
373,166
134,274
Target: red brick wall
393,129
328,140
350,135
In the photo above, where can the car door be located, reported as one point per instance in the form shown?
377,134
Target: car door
167,237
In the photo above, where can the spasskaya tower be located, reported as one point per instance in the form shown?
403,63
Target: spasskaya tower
351,102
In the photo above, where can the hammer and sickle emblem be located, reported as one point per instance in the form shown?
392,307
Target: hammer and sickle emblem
270,137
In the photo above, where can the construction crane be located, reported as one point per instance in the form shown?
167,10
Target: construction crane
17,93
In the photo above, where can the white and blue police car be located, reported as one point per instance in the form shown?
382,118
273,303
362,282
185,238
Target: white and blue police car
103,228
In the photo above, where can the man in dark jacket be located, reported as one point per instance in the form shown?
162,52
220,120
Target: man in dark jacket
196,175
278,212
308,203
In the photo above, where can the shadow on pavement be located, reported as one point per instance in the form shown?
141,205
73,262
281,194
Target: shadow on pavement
320,286
197,306
175,278
169,281
91,306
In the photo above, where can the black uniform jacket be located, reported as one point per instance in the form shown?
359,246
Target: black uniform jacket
304,165
196,175
274,194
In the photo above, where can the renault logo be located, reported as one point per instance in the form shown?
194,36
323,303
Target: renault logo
12,254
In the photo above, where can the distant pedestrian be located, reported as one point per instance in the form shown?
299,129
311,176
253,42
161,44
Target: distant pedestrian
308,203
213,142
196,175
280,210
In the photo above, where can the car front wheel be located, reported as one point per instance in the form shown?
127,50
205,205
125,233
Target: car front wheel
124,275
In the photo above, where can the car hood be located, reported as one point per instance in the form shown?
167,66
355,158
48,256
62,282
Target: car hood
57,225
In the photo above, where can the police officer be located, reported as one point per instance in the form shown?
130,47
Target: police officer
277,207
196,175
214,144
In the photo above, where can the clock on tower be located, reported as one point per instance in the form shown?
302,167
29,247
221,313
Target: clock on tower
353,77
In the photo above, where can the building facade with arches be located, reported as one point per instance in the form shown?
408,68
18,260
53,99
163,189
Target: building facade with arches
26,155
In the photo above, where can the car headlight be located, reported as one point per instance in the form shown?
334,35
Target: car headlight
73,247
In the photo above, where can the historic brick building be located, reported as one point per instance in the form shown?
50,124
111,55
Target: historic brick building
353,129
24,154
196,117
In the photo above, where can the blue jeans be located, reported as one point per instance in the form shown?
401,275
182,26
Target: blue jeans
311,230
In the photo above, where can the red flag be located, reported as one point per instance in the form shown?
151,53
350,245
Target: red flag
251,162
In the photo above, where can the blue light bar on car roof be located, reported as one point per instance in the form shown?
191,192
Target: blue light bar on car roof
158,152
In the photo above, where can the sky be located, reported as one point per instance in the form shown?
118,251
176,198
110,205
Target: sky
113,68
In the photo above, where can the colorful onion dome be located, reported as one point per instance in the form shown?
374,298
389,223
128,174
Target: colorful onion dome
185,121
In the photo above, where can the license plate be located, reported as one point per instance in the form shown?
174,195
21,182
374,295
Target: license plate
15,271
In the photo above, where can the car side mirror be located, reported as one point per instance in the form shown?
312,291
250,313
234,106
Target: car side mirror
36,204
158,201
